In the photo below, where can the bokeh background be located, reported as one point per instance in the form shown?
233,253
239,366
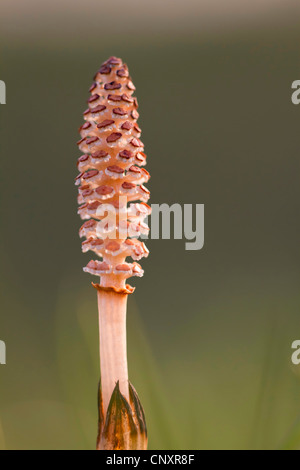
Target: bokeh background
210,332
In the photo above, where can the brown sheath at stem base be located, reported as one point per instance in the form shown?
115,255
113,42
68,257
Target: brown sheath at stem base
124,427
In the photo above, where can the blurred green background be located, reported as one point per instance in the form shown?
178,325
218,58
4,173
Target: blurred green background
210,332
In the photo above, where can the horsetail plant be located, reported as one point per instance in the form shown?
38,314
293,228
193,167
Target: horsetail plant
111,177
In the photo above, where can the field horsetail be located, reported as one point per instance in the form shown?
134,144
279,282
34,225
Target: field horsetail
113,202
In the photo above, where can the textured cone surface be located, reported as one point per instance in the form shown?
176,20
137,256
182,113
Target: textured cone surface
124,427
111,173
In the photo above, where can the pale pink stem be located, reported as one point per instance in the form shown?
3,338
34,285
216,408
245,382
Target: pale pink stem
113,347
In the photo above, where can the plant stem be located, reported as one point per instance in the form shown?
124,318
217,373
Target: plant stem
113,347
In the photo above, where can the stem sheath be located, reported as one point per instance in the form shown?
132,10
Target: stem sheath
113,346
